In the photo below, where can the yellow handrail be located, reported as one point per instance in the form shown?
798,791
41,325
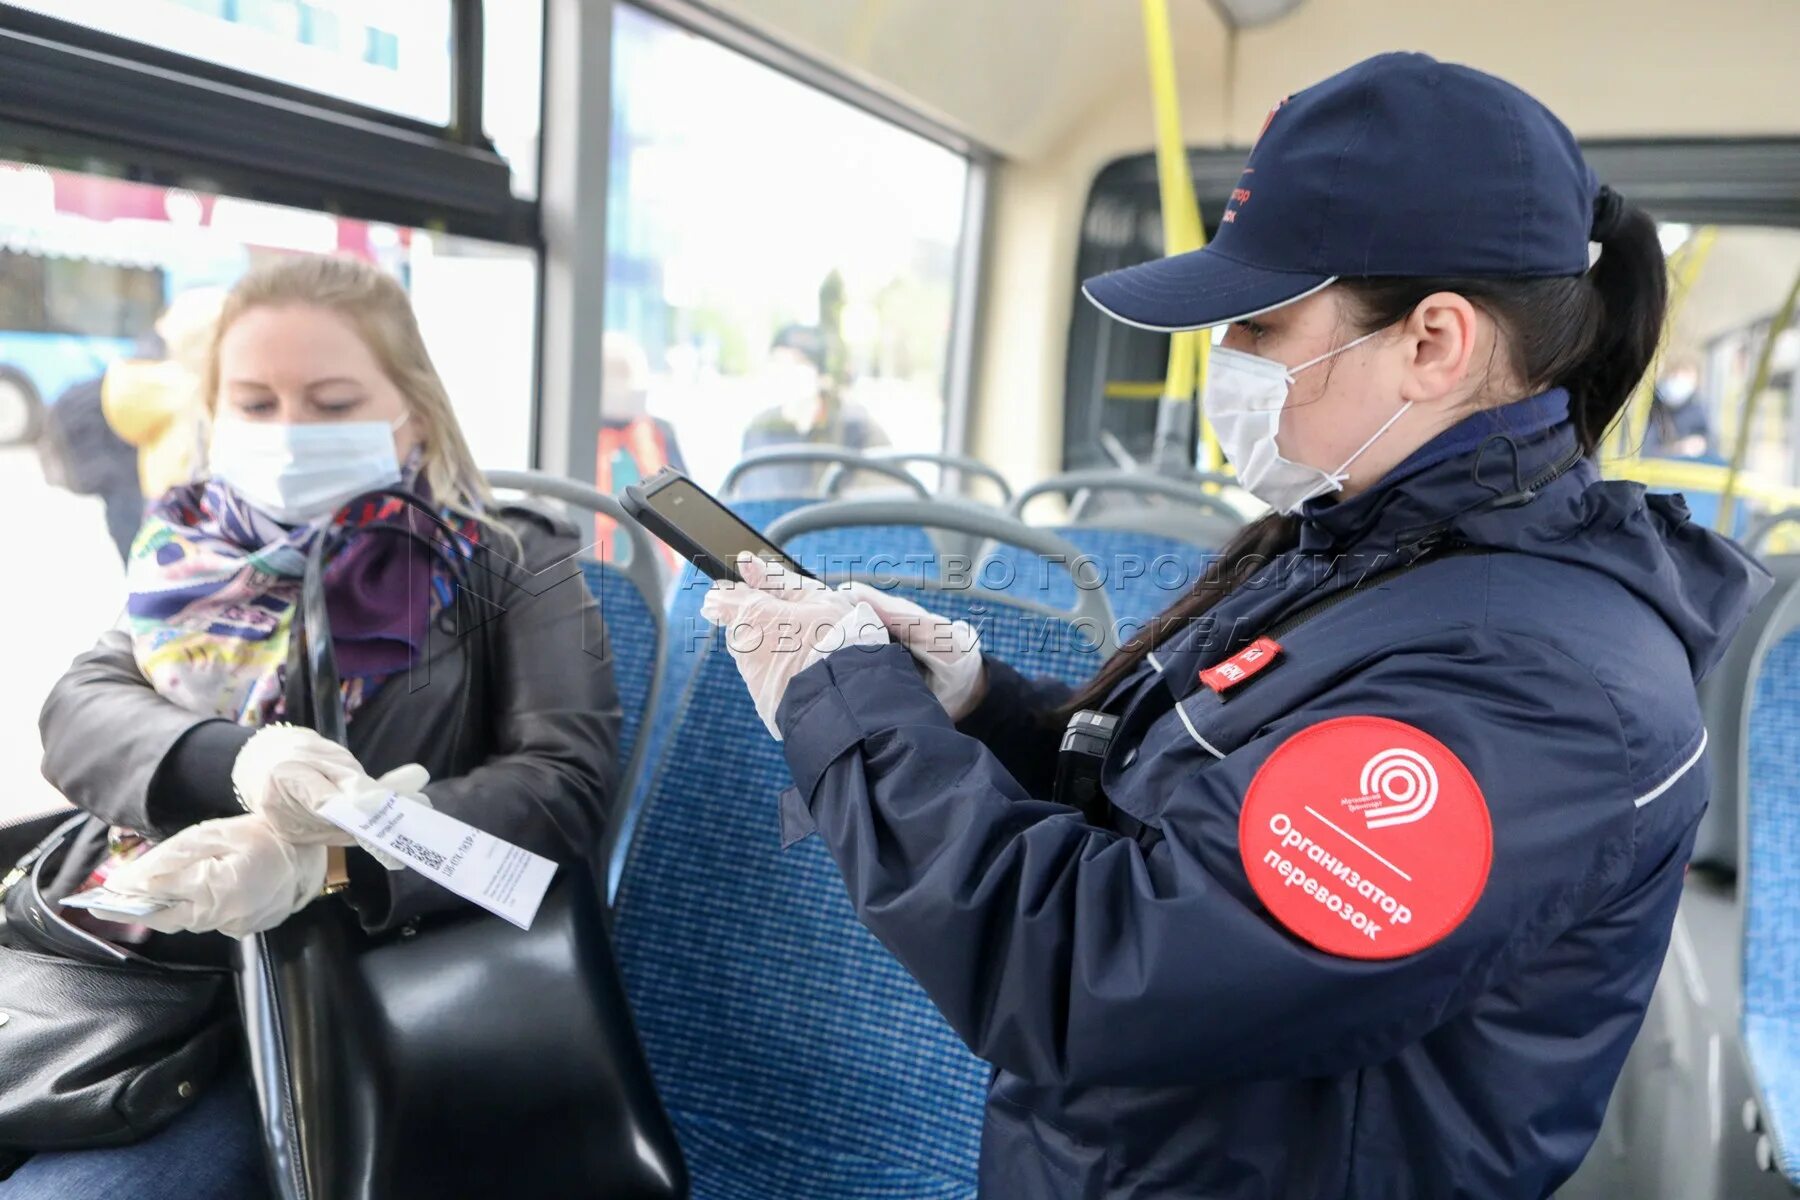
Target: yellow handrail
1759,383
1183,229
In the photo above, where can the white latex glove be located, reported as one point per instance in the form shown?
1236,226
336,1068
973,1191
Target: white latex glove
778,623
369,794
235,875
949,651
284,773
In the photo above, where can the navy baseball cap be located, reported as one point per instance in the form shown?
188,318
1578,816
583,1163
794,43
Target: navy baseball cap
1401,165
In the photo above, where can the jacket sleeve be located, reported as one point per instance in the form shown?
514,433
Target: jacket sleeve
550,781
1073,955
117,749
1013,720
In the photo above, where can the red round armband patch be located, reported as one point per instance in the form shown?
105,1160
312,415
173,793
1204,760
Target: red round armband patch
1366,837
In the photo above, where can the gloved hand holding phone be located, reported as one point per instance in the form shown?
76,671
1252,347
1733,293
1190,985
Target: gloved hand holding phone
778,623
948,651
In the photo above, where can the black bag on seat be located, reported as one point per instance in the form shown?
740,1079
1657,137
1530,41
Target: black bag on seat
99,1045
459,1057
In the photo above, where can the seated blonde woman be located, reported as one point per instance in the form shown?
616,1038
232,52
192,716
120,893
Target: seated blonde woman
320,389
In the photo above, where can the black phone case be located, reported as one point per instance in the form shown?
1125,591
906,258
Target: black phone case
635,501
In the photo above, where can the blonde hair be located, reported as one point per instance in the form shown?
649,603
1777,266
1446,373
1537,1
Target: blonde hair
376,306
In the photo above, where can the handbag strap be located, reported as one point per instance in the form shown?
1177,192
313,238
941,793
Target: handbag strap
313,696
29,859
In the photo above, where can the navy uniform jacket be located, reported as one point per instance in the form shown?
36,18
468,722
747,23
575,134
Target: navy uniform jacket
1156,1031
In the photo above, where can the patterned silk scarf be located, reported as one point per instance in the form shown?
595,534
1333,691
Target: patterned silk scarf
213,583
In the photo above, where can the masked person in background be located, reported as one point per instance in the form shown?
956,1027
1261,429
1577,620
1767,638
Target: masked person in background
169,731
156,405
633,445
1678,425
808,411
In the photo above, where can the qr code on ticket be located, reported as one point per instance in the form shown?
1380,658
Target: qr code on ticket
418,853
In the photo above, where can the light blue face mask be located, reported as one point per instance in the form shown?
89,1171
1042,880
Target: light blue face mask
302,473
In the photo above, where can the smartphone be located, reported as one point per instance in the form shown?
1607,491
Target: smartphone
697,526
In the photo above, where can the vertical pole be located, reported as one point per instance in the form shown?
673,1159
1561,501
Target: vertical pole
576,141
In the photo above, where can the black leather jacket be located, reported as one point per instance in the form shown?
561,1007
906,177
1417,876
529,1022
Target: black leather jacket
530,754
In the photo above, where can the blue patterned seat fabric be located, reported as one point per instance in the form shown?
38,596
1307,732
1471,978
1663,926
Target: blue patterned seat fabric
1142,573
1772,898
796,1057
631,644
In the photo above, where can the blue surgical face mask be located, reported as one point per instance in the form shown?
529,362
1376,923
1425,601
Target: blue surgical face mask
301,473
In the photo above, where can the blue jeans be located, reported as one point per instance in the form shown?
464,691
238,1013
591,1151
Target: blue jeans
213,1151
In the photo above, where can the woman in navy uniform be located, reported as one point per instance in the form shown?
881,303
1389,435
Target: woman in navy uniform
1400,798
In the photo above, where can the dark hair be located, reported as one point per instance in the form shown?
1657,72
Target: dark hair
1593,334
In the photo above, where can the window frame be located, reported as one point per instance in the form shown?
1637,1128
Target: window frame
80,99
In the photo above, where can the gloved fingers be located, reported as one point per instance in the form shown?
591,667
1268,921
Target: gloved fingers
274,747
887,605
406,779
858,627
160,873
926,633
775,579
724,600
953,639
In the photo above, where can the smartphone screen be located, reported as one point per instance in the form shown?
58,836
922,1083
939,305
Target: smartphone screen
711,526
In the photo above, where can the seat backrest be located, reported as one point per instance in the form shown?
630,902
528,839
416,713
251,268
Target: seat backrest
1141,573
630,599
1144,555
1770,882
1769,885
765,1007
1724,698
965,469
825,459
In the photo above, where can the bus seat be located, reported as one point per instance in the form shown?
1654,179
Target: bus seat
1141,573
634,636
795,1055
630,597
1145,554
1724,696
881,550
1770,883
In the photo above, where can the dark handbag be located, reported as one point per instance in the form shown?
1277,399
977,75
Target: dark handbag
460,1056
99,1045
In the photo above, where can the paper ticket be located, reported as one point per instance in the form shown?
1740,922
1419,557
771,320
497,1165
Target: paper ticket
507,880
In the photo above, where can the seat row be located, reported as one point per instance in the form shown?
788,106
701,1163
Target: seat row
794,1054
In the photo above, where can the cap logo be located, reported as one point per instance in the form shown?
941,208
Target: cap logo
1269,120
1240,195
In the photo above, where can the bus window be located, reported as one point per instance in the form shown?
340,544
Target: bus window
90,268
783,263
387,54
